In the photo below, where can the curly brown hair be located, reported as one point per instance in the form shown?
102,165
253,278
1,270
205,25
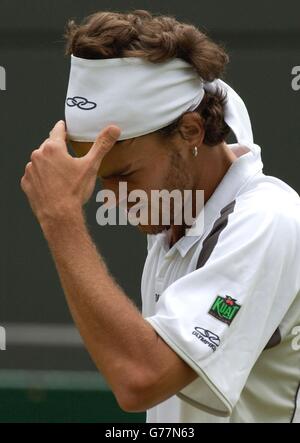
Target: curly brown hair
156,38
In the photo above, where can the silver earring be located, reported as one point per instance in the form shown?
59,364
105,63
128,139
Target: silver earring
195,151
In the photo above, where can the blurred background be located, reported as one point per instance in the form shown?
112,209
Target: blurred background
45,374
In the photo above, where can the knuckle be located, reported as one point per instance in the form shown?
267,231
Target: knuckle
102,142
107,141
35,155
45,142
23,183
112,134
103,146
48,146
28,167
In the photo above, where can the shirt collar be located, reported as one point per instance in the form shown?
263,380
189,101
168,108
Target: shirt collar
240,172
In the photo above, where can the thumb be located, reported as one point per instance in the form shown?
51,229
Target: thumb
103,144
58,133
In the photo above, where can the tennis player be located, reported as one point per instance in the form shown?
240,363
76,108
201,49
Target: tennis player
217,339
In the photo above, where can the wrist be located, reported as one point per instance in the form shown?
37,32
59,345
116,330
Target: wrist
67,218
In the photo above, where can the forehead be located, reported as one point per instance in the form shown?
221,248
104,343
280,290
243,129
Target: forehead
123,154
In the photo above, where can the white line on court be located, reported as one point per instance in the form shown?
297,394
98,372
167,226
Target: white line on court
31,334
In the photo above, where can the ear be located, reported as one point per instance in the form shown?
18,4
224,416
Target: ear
191,128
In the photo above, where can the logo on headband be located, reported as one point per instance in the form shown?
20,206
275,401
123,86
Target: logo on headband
81,103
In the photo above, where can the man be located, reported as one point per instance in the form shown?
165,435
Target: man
216,341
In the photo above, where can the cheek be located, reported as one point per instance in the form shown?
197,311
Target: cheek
114,186
152,177
110,185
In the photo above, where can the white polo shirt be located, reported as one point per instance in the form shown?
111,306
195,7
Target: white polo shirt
228,302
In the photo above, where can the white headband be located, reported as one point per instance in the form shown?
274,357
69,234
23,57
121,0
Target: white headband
141,97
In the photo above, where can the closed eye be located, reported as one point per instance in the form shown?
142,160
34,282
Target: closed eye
125,175
116,176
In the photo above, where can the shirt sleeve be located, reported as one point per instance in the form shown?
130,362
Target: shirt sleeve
220,317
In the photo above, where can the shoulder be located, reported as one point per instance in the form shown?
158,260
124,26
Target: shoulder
267,214
269,200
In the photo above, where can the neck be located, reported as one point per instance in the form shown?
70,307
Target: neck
217,161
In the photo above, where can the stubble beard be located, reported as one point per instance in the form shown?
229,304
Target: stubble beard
177,178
